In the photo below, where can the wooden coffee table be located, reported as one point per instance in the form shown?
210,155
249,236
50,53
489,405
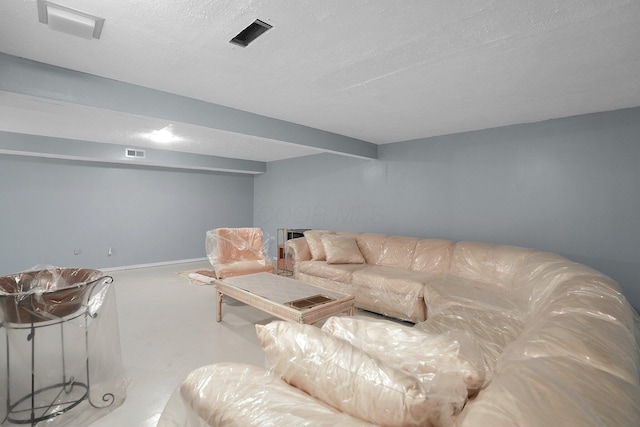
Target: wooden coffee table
283,297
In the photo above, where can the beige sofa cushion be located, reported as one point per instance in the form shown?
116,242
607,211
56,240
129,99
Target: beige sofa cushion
298,249
496,264
341,375
432,255
544,276
371,246
391,291
328,284
413,350
240,268
239,395
341,249
612,348
338,272
398,251
553,391
393,280
491,329
314,240
587,321
444,291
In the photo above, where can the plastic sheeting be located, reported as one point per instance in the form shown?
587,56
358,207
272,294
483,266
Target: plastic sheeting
60,360
392,277
238,251
391,291
46,293
559,341
576,365
491,330
422,354
356,382
239,395
553,392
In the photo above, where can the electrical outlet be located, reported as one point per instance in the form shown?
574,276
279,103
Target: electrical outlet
77,251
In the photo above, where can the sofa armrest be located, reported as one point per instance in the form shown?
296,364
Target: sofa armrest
297,250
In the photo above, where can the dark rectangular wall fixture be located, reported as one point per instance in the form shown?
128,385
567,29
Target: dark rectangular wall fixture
249,34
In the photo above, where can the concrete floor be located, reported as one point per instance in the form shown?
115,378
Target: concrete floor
167,329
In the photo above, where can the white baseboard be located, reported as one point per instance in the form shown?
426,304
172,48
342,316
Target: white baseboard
153,264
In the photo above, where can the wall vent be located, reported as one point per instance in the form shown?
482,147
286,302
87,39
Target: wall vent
252,32
132,153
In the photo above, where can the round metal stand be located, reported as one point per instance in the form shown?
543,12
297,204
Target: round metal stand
46,402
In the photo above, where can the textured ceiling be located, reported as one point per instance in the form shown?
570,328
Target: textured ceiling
379,71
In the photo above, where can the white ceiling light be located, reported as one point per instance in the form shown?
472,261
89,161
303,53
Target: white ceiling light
70,21
164,135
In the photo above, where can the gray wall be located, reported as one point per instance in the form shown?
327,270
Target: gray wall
570,186
147,215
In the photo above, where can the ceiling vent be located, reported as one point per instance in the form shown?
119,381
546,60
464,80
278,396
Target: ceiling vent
252,32
132,153
70,21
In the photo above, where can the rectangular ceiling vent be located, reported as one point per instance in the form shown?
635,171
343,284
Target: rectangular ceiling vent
252,32
132,153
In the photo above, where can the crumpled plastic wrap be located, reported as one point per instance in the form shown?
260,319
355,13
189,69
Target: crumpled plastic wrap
59,326
490,329
377,284
44,293
391,291
557,341
358,383
238,251
449,290
239,395
553,391
413,350
392,278
569,356
496,264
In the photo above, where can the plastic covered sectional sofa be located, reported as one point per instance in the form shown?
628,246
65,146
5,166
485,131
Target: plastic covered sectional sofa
525,338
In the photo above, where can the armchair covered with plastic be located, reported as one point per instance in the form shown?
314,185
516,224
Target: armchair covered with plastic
237,251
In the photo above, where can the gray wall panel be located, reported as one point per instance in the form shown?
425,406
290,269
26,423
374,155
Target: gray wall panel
570,186
147,215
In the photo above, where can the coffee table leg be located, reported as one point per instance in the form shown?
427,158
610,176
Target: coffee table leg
219,300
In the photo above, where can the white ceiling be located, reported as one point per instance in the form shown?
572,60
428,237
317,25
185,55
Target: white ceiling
377,70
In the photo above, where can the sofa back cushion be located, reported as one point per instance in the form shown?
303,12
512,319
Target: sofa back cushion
316,247
432,255
487,263
371,246
397,251
586,327
553,391
544,275
491,329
